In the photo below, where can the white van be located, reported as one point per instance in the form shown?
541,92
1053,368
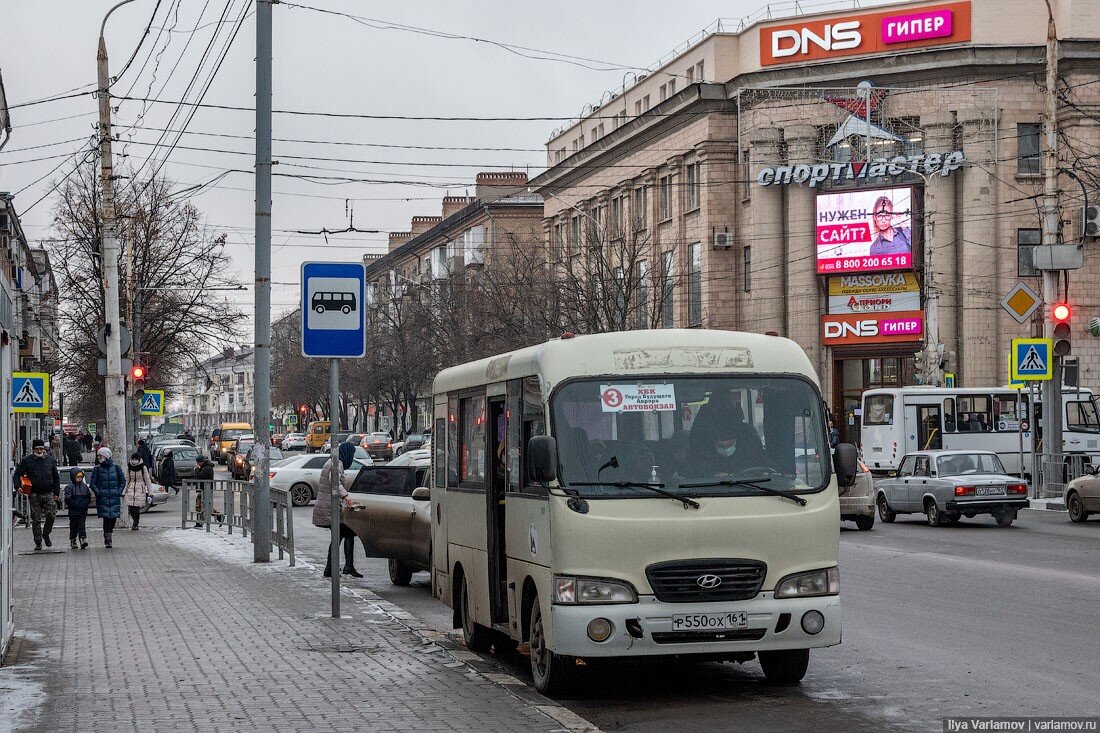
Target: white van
633,494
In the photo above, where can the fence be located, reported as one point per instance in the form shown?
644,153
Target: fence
1058,469
229,503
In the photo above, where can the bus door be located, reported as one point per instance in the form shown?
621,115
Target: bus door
497,485
929,427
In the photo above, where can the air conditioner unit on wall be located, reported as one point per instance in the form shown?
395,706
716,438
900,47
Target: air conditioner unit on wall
723,240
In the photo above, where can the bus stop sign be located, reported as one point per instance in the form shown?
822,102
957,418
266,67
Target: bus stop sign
333,301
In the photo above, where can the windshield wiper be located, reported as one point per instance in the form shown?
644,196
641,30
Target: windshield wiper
752,483
658,488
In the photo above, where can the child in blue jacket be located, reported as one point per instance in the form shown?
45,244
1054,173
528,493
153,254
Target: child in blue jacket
77,498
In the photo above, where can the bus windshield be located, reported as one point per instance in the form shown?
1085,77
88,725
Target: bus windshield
1081,417
671,431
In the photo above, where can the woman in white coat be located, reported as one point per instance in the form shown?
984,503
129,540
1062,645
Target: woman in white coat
139,488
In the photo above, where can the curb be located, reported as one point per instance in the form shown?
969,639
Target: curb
1052,505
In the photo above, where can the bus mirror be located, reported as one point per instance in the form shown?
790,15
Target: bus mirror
542,459
845,464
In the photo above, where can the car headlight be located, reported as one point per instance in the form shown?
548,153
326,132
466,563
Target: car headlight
571,590
807,585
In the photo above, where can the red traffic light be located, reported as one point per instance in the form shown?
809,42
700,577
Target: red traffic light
1061,312
137,372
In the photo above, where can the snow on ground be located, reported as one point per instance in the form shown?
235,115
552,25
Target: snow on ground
21,691
233,549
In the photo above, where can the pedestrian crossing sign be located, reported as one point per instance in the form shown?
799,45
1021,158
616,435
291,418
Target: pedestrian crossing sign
152,402
1032,359
30,392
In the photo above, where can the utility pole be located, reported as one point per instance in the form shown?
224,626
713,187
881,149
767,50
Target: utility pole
1051,225
261,487
335,473
114,382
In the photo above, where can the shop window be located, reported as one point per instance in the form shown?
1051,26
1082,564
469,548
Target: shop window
1028,149
1026,242
878,410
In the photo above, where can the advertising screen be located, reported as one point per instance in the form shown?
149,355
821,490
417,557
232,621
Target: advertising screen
865,231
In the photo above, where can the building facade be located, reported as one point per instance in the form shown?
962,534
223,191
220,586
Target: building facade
220,389
867,183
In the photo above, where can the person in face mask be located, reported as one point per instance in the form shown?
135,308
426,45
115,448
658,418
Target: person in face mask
734,447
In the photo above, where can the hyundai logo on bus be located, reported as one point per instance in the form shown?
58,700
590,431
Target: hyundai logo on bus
708,581
858,170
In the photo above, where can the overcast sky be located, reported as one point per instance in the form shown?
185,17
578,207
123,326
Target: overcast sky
330,63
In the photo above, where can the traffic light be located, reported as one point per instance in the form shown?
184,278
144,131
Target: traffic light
1061,313
137,374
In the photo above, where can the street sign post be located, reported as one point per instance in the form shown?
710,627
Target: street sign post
152,403
91,428
1032,359
291,420
334,328
949,380
30,392
1021,302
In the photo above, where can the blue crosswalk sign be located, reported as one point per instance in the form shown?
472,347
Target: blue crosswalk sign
333,310
30,392
152,402
1032,359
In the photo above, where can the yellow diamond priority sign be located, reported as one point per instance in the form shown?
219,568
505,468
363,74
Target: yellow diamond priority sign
1021,302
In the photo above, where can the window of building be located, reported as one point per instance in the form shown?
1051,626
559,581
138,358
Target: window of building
664,92
746,268
664,196
690,75
574,232
476,245
638,108
671,87
691,189
1026,242
640,214
699,71
617,205
668,290
1028,149
471,468
645,103
695,284
641,292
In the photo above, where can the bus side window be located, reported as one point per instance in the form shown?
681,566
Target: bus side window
452,442
949,415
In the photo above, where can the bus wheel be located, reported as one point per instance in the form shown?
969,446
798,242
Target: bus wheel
884,512
476,636
786,667
547,668
1076,508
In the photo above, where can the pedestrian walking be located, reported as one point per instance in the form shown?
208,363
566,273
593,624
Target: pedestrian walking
78,497
107,483
145,453
167,474
322,509
88,441
40,470
204,473
139,489
72,450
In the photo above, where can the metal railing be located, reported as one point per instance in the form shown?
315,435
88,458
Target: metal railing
1056,470
228,503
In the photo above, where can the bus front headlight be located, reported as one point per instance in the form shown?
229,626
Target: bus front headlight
571,590
807,585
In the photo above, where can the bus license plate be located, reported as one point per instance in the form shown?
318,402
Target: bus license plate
989,491
710,621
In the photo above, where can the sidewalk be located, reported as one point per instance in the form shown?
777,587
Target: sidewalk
177,630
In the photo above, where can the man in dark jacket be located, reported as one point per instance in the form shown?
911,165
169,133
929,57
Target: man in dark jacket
146,454
41,470
72,450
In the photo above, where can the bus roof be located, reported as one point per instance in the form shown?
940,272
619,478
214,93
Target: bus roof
658,351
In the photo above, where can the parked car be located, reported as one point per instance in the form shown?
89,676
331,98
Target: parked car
945,485
857,502
250,460
294,441
236,454
411,442
301,475
379,445
340,438
409,458
277,439
1082,495
391,514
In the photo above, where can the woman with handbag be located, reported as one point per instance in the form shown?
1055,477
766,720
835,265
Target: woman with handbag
139,488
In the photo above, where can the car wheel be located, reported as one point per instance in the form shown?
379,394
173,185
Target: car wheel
1076,508
401,574
786,667
884,511
547,668
865,522
1005,519
300,494
933,514
476,636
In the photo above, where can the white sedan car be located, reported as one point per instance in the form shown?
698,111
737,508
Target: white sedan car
294,441
301,475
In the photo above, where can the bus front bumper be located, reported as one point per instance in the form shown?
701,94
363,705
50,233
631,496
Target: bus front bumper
646,628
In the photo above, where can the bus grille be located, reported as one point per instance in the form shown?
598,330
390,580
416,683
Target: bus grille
688,637
692,581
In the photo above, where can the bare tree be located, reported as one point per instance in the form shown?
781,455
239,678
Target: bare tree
178,266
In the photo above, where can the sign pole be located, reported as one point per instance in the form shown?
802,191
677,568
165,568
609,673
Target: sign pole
335,473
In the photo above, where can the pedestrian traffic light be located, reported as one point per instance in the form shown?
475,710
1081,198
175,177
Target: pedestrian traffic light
1061,314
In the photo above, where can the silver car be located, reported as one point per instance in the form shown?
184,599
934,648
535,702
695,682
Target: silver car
1082,495
945,485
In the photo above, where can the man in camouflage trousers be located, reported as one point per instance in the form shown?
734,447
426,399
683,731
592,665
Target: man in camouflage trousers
40,469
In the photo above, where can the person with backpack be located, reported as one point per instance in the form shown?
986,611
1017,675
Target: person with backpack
139,489
78,497
108,483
